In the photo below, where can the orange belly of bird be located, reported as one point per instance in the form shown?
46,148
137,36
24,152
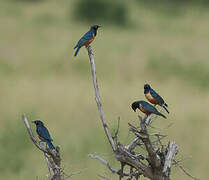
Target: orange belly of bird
42,139
150,98
90,41
143,110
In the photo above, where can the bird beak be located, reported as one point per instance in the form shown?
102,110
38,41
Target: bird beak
33,122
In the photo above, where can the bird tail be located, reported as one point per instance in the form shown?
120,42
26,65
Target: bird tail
160,114
51,146
164,106
77,50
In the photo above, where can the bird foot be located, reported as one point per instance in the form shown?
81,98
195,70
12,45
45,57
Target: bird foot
41,143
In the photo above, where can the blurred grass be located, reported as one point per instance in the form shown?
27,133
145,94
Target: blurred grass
40,77
195,73
172,8
14,148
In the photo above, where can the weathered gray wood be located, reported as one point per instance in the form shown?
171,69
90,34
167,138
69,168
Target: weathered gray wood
97,96
133,144
172,150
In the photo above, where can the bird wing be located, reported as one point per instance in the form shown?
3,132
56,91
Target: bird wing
149,108
43,132
86,37
156,96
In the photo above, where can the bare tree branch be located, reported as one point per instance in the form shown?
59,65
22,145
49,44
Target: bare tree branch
172,151
67,176
103,177
144,136
148,119
99,105
48,165
104,163
133,144
114,171
123,155
115,137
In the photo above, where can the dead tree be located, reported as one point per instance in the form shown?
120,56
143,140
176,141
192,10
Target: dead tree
52,157
155,164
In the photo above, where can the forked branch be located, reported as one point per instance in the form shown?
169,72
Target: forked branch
155,164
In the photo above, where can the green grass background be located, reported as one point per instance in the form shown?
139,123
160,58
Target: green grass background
40,77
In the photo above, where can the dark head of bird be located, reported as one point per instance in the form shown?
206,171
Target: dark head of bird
135,105
146,88
38,123
95,27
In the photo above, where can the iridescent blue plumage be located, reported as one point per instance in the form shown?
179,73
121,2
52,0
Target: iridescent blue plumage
153,97
87,38
43,133
146,108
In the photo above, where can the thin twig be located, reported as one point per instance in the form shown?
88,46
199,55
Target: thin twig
114,171
115,137
133,144
73,173
103,177
181,167
104,162
161,129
